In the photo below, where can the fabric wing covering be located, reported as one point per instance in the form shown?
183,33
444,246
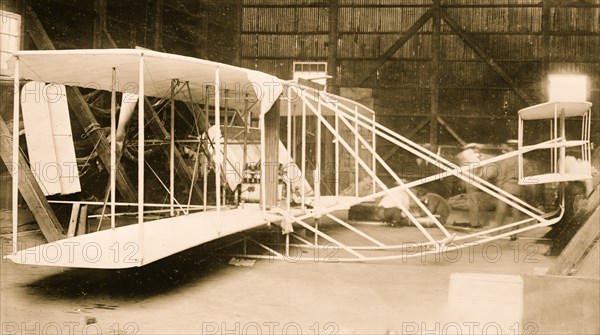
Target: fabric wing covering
92,68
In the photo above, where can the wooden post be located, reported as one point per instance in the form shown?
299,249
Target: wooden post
271,163
435,76
158,25
99,23
74,220
82,224
332,44
202,49
20,8
239,27
545,47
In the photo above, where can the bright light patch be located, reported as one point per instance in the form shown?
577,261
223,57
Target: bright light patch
567,87
10,37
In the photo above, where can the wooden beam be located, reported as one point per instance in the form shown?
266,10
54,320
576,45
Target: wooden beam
172,5
100,18
589,267
74,220
37,32
86,119
332,46
578,247
396,46
158,24
101,36
572,3
200,117
271,163
328,159
412,133
202,46
20,8
435,76
30,189
82,224
451,131
582,208
182,170
239,27
83,114
470,41
545,45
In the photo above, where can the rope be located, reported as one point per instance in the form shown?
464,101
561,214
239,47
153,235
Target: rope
90,128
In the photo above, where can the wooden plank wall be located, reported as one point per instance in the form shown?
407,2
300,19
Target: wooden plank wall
527,38
198,28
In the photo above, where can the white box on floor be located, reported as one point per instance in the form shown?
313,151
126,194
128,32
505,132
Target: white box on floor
486,299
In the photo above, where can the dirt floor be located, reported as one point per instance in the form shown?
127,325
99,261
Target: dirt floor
196,292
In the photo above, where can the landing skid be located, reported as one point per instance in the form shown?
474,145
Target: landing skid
328,248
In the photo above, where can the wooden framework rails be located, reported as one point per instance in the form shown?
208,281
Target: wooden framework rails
440,41
344,120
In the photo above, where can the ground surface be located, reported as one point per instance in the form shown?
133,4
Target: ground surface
195,293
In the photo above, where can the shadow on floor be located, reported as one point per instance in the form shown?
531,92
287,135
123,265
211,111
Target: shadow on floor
159,277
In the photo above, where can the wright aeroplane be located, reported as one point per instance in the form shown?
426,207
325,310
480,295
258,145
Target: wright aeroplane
200,150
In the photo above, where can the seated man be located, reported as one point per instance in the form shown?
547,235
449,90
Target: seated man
390,209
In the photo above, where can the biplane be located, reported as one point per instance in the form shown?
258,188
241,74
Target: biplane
241,160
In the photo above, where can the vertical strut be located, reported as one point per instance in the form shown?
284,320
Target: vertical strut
113,147
172,152
15,157
141,138
218,154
